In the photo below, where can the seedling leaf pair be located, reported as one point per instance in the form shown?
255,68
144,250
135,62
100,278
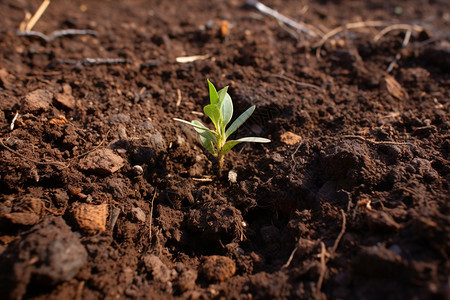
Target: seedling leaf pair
220,111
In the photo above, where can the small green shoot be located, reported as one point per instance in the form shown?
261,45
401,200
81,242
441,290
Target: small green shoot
220,111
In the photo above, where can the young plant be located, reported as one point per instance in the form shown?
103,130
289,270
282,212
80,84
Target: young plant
220,111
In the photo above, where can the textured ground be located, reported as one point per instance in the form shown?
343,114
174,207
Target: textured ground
104,196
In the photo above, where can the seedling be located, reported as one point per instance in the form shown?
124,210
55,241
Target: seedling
220,111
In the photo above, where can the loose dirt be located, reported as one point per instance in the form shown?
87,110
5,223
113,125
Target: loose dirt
104,196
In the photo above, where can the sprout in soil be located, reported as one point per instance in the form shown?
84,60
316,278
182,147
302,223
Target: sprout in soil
220,111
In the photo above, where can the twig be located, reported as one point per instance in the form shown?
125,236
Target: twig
188,59
114,216
56,34
398,55
151,215
37,15
358,137
14,120
325,256
341,234
290,259
397,27
294,163
33,160
323,266
313,32
301,84
90,62
178,97
348,26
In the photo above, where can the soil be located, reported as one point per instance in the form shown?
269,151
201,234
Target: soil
104,196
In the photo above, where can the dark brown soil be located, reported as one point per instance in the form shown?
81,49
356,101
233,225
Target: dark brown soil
104,196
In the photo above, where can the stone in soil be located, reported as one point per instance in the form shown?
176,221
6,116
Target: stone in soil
158,269
290,138
37,101
49,253
90,218
217,268
102,162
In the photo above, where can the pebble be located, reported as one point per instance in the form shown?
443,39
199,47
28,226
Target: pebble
46,255
290,138
90,218
65,100
217,268
138,214
158,269
37,101
102,162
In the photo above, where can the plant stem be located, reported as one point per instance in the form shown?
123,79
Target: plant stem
220,159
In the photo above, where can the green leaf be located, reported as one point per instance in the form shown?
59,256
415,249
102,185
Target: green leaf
208,144
213,112
239,121
204,131
226,110
213,96
230,144
200,128
222,93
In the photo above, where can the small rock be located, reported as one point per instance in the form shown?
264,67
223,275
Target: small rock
232,176
119,118
147,125
218,268
102,162
90,218
67,101
290,138
138,170
390,85
158,269
138,214
122,132
46,255
37,101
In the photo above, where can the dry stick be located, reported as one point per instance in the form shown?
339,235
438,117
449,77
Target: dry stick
25,21
151,216
37,15
341,234
178,97
301,84
323,266
324,256
348,26
290,259
91,61
56,34
33,160
398,55
14,120
313,32
358,137
397,27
